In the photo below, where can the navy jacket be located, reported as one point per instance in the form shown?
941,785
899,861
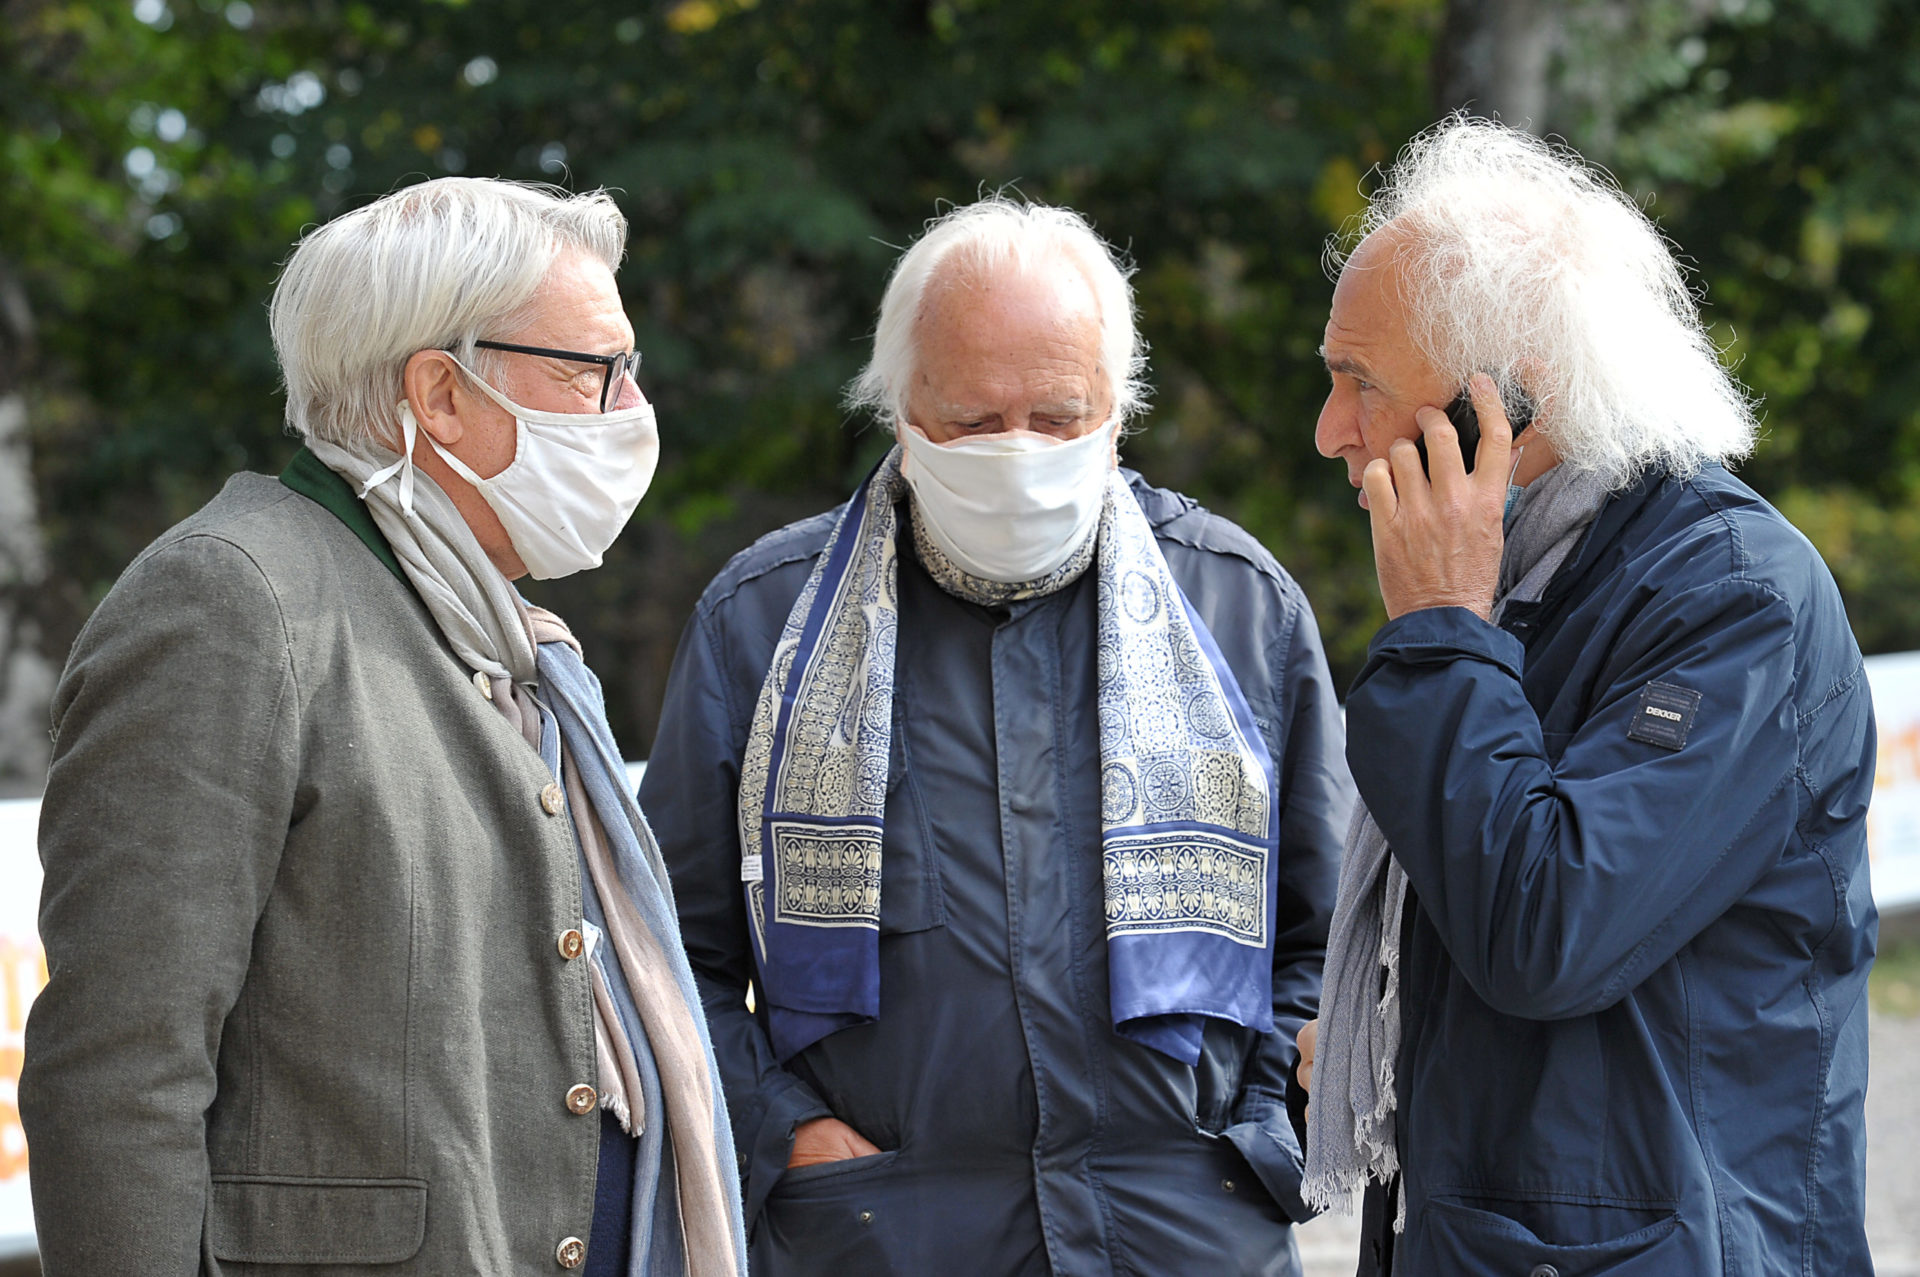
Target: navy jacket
1634,819
1021,1134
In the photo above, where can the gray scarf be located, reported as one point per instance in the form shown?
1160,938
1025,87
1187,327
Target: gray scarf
473,604
1350,1125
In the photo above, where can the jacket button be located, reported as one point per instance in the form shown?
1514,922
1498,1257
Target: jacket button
570,1253
572,945
1226,1186
581,1099
485,684
1544,1270
552,800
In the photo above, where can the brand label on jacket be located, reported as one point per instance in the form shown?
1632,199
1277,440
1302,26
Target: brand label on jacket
1665,713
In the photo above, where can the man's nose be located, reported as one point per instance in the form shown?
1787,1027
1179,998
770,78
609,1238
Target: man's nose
1335,431
626,395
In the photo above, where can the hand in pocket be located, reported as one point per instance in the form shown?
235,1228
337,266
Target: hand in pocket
827,1139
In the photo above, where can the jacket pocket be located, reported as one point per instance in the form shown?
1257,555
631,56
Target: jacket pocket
847,1217
1467,1239
290,1219
795,1176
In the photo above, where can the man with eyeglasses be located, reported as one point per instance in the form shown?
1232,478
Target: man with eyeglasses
360,955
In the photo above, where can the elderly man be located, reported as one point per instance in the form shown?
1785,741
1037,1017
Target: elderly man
1012,787
1615,749
362,958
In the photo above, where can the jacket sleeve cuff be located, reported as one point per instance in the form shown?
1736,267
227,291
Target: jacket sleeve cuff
788,1103
1265,1137
1438,634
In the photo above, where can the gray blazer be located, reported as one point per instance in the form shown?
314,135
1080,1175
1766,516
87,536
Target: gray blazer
307,1012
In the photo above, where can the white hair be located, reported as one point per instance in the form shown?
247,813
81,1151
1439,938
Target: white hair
436,266
989,236
1521,260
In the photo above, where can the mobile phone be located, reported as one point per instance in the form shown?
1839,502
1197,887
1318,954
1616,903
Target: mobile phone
1466,423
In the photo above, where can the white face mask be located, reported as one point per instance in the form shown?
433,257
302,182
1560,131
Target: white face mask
573,483
1008,507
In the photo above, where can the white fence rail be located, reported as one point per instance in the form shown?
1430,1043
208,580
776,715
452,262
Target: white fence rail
1893,821
23,969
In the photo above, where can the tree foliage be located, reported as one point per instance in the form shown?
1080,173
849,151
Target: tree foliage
772,157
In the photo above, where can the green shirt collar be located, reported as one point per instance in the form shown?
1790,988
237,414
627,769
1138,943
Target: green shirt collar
310,477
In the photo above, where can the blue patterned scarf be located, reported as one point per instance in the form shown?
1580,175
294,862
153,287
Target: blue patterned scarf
1189,824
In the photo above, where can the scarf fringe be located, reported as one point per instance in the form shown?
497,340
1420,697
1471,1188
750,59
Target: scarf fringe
1334,1191
621,1110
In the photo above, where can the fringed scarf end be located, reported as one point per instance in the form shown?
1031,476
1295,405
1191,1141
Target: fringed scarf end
616,1104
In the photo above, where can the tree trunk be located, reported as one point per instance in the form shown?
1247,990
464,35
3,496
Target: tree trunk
26,675
1492,59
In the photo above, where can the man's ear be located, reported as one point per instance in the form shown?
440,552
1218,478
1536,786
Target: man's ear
433,390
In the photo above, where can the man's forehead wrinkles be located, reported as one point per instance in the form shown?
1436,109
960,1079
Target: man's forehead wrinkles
1072,406
958,407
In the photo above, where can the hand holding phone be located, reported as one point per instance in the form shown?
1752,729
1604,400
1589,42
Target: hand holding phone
1438,539
1466,423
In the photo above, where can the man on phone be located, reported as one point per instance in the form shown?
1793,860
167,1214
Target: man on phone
1596,983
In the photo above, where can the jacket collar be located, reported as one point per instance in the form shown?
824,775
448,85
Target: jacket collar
311,478
1620,510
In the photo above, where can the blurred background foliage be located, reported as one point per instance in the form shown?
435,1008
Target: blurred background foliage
160,157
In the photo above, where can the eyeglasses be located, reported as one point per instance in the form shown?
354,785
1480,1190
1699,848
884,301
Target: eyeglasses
618,367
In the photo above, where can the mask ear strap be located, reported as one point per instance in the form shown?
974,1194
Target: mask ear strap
403,467
456,465
481,383
409,429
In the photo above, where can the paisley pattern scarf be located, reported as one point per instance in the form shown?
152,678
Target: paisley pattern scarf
1188,813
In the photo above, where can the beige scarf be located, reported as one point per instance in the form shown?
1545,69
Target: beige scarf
497,634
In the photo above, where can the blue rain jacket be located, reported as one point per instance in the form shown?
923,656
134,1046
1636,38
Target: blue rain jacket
1634,819
1021,1135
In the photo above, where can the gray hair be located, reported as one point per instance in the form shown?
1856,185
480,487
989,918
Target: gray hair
1521,260
436,266
993,234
